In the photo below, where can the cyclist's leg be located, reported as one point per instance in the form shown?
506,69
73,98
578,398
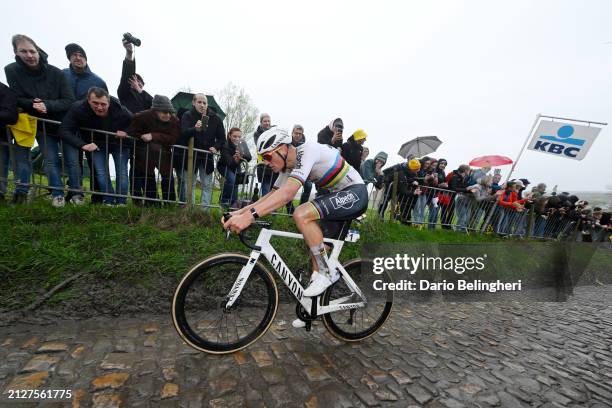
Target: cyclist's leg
338,206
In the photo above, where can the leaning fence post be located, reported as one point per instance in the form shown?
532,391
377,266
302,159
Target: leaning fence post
189,178
394,195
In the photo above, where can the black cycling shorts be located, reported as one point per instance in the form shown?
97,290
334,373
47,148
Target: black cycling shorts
336,210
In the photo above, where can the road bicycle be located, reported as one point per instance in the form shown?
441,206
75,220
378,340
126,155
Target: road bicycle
228,301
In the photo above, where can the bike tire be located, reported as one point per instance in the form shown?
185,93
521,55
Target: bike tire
205,286
357,268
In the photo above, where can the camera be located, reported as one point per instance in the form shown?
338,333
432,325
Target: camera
131,39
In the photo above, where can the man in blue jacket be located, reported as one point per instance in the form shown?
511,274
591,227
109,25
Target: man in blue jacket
78,73
81,79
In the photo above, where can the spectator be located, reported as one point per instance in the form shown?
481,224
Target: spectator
459,184
495,187
406,187
525,183
441,199
43,91
209,137
539,209
478,174
364,154
332,134
81,79
265,123
229,166
79,74
480,198
539,190
353,148
132,95
298,138
371,170
409,191
8,116
265,175
158,128
102,112
131,91
421,201
511,207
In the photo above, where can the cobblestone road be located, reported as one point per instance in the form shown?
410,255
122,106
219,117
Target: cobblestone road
430,355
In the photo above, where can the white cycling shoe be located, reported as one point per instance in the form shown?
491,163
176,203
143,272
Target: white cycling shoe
318,284
298,323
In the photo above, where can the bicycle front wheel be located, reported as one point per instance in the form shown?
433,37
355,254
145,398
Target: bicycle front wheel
361,323
199,309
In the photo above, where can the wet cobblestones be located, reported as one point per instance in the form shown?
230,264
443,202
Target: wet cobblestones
427,355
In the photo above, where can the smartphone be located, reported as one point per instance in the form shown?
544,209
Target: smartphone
204,122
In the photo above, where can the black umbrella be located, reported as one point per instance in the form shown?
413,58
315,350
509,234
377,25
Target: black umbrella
419,147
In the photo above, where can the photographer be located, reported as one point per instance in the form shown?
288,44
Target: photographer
332,134
203,125
130,92
229,166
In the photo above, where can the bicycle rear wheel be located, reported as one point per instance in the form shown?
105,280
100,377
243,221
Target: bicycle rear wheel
198,308
361,323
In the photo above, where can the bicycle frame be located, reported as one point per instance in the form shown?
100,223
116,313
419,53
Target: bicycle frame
274,259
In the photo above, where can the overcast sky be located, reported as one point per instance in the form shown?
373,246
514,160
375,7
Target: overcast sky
474,73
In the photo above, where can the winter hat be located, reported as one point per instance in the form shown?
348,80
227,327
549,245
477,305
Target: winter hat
382,156
525,182
414,164
359,134
72,48
162,103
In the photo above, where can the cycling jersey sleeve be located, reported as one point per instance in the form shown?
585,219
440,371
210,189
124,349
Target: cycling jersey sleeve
280,180
304,161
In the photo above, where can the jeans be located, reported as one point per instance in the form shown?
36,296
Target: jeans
49,146
120,155
419,209
462,209
207,181
4,167
230,188
433,216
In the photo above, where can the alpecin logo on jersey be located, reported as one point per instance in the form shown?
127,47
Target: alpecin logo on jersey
298,158
344,199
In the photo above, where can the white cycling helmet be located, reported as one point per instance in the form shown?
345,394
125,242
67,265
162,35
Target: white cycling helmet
271,139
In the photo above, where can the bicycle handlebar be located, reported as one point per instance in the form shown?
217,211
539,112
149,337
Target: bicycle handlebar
243,239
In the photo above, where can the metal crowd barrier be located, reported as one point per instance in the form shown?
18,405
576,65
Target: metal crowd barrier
153,176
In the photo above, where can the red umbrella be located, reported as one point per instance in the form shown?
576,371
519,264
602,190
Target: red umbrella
490,161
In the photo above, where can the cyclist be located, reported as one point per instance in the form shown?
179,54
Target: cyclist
347,197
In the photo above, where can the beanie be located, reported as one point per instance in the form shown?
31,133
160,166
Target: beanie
72,48
162,103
